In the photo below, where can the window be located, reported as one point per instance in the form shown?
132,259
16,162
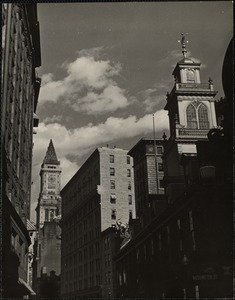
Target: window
161,183
160,166
178,224
197,116
159,150
159,242
130,214
46,214
112,172
191,117
152,247
97,264
130,199
197,291
112,184
113,214
113,198
203,117
192,230
111,158
128,173
91,251
128,159
190,220
168,234
129,185
190,76
91,266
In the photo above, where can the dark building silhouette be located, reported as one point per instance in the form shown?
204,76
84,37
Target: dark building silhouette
186,251
19,93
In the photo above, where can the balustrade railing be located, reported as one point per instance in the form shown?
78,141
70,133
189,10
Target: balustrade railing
197,133
189,86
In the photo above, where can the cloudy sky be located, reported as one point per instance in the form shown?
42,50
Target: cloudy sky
106,68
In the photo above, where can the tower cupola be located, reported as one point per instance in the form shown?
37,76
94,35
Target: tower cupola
190,103
186,70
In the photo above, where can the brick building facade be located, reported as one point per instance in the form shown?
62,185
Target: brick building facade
98,195
148,175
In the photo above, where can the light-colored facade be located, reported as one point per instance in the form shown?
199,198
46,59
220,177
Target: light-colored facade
191,110
98,195
19,94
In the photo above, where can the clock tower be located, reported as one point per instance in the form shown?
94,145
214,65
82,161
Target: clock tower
49,202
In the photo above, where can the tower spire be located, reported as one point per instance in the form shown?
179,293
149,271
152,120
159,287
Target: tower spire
183,42
51,157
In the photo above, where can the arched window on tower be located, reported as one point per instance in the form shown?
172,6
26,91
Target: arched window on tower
191,117
203,117
197,116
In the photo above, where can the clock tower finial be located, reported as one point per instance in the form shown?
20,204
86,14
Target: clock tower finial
183,42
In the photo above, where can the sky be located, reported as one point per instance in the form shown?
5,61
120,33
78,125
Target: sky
106,69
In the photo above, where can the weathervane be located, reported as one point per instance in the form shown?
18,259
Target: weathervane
183,42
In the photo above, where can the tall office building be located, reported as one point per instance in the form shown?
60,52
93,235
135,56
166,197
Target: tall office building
49,201
48,216
19,93
99,194
148,174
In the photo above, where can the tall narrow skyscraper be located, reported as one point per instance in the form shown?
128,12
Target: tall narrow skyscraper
49,202
49,232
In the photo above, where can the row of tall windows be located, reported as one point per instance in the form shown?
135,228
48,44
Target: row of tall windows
50,214
197,116
111,159
112,172
167,237
114,214
113,199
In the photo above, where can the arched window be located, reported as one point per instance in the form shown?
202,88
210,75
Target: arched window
197,116
191,117
203,117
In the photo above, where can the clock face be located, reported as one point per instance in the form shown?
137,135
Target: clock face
51,181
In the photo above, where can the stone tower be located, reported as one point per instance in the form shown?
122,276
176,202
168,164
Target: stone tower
48,243
49,202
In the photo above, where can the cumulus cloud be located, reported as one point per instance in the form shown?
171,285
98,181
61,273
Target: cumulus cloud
53,119
89,85
111,98
153,97
79,141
